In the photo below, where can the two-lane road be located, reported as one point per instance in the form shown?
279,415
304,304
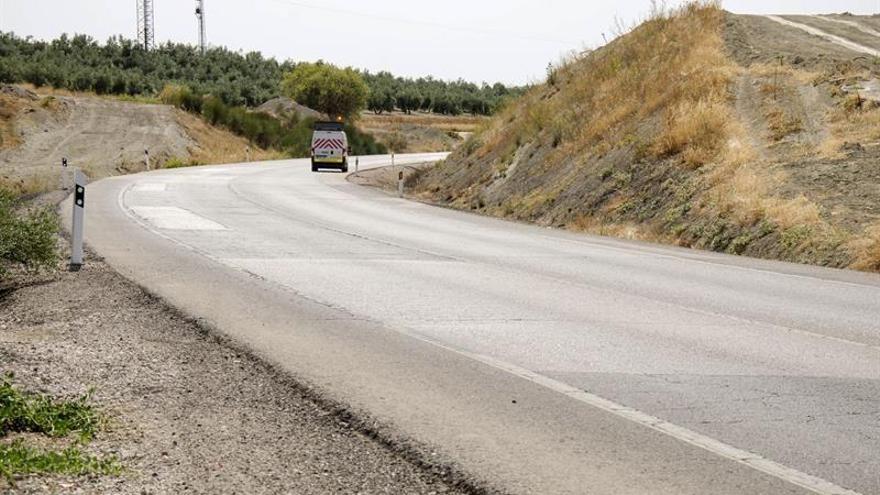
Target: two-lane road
537,360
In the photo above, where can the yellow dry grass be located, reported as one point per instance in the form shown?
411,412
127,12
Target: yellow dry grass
673,64
866,250
9,108
217,146
853,126
389,122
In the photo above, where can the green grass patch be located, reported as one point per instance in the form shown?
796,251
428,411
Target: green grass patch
18,459
24,412
27,236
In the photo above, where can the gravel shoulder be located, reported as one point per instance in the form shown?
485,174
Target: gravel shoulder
189,412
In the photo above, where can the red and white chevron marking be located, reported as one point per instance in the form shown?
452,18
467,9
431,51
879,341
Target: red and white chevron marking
332,144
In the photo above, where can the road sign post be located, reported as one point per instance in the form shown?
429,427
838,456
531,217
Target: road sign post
147,159
247,154
79,207
400,184
357,163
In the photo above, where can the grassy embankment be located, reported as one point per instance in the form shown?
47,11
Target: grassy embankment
646,139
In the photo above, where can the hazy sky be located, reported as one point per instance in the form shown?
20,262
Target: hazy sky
496,40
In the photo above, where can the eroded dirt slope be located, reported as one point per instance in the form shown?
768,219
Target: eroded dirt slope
105,136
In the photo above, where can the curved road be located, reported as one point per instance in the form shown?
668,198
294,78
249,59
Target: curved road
537,361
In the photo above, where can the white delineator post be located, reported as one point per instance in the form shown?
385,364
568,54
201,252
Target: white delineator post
147,159
400,184
64,171
357,163
247,154
79,207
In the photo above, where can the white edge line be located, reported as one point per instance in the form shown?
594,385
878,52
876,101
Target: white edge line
717,447
750,459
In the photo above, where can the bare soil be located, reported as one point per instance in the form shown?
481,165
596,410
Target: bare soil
189,412
102,136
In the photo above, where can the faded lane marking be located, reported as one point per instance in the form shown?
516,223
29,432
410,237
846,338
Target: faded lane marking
149,187
174,218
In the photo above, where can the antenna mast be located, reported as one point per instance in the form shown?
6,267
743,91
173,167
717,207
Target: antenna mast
146,29
200,15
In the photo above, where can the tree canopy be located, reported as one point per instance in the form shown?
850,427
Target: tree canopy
122,67
327,88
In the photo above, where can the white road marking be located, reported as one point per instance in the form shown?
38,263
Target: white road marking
149,187
828,36
750,459
174,218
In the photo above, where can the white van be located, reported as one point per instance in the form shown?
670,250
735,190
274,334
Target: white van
329,146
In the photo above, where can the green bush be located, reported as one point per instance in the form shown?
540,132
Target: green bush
26,237
292,136
326,88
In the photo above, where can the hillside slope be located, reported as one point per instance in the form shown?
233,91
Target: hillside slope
698,128
102,136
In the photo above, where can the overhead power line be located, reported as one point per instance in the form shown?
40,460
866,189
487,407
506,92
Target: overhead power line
446,27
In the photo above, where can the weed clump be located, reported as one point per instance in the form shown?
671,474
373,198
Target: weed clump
29,413
26,237
19,459
22,412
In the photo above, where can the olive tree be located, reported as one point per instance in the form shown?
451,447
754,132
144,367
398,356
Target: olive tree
327,88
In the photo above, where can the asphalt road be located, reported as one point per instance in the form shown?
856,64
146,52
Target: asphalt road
538,361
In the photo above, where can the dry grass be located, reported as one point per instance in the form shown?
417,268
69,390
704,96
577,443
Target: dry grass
853,126
9,108
781,124
390,121
217,146
673,64
31,185
419,132
866,250
697,132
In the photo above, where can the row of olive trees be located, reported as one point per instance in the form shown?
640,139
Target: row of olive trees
122,67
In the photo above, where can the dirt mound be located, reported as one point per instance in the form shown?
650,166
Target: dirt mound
283,107
699,128
18,92
103,137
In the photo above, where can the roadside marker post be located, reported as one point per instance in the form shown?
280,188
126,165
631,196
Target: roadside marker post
357,163
392,159
400,184
64,171
247,154
79,207
147,159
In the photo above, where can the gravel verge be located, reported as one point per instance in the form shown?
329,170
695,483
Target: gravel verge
189,413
